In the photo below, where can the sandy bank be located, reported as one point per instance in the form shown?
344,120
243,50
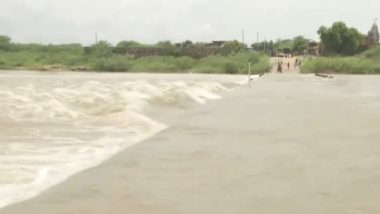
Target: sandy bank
292,144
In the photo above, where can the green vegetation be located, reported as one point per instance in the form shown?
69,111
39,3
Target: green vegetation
300,44
130,44
285,45
342,44
115,64
341,40
297,45
103,57
373,53
38,57
233,64
366,62
353,65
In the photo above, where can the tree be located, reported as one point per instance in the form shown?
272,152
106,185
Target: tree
164,44
187,44
285,45
235,46
200,44
265,47
102,49
5,43
128,44
300,44
340,39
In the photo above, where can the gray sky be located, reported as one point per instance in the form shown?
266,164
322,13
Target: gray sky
149,21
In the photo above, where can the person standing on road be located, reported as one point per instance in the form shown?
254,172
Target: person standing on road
279,67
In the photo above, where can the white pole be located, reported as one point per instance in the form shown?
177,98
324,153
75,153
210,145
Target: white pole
249,75
258,35
243,36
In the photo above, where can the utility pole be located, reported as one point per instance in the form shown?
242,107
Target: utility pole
276,49
257,43
249,75
265,43
243,36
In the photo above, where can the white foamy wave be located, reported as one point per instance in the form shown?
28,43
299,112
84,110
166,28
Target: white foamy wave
29,172
52,128
92,99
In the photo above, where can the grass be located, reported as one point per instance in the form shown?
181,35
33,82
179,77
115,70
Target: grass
37,57
373,53
234,64
72,58
163,64
367,62
113,64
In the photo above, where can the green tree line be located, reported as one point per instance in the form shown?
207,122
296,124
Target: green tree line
103,57
298,45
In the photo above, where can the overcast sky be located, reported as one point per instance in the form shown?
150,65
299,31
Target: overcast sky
149,21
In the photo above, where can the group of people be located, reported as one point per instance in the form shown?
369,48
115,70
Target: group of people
280,63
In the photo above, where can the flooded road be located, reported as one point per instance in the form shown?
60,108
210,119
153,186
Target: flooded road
289,144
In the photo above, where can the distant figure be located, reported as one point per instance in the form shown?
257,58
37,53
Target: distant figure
288,65
296,63
279,67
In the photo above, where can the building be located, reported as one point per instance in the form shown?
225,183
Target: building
313,48
373,35
217,44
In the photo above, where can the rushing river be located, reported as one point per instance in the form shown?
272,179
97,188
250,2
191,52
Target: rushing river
53,125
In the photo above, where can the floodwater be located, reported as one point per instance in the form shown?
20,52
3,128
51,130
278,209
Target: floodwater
289,143
53,125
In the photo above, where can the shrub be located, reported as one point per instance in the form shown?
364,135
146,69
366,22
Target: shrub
351,65
230,68
116,63
184,63
101,57
373,53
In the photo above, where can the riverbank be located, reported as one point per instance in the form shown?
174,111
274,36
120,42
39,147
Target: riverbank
234,64
290,144
367,62
228,58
